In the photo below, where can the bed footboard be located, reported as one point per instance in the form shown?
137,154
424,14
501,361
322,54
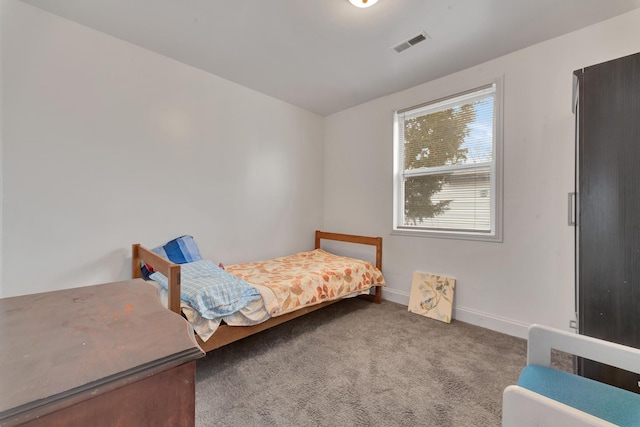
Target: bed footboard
362,240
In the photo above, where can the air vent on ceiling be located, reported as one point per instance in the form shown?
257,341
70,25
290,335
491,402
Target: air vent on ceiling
420,37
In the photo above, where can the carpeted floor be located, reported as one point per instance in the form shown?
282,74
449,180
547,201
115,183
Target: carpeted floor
360,364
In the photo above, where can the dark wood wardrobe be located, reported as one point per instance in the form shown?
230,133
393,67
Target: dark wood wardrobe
608,214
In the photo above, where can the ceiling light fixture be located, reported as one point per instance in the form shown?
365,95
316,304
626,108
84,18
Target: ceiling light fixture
363,3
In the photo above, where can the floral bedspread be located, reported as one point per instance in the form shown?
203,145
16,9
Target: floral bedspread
308,278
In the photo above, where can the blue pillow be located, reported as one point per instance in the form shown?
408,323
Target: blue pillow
180,250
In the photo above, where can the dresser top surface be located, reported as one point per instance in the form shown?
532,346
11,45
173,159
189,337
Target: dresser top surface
57,344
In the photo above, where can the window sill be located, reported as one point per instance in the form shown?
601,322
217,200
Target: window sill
448,235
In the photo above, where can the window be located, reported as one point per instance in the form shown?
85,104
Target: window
446,173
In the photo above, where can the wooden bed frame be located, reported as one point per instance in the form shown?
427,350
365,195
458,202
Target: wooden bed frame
226,334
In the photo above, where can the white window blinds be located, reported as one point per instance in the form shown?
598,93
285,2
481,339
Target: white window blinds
446,158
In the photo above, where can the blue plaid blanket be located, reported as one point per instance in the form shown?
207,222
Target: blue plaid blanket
210,290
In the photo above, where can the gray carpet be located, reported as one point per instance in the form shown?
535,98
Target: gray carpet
360,364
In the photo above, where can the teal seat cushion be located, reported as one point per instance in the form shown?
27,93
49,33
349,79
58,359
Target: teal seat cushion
616,405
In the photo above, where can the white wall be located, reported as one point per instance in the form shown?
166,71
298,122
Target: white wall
2,38
106,144
530,276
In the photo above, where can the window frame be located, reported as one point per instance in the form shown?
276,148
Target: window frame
496,171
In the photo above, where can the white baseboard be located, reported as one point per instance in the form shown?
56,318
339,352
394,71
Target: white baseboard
491,321
395,296
469,315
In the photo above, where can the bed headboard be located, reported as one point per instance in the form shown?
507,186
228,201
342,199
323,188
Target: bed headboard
141,254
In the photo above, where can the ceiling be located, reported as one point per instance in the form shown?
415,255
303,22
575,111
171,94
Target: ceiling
327,55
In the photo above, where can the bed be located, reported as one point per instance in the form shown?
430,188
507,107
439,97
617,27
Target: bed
278,302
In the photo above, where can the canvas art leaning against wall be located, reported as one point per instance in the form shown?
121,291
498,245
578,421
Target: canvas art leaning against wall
432,296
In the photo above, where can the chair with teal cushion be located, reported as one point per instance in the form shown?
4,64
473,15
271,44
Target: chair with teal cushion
546,396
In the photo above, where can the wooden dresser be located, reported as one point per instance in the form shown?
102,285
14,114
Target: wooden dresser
104,355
